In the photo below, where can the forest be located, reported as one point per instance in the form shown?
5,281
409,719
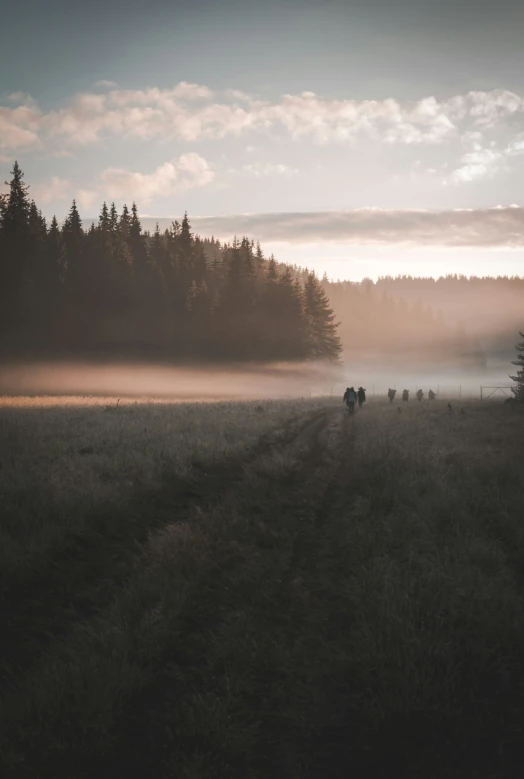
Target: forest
110,287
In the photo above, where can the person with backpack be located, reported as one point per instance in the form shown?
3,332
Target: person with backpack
361,396
350,398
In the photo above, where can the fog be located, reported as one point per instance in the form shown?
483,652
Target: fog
146,382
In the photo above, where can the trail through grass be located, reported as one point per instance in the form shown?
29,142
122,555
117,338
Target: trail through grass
341,598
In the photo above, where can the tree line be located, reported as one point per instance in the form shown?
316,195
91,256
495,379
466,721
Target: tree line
113,288
375,320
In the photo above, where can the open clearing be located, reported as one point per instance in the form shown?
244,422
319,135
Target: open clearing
263,589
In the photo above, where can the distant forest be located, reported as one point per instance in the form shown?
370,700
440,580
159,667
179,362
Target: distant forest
453,317
113,288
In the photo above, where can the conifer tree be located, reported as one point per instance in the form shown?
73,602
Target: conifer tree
518,391
73,234
290,319
321,330
15,249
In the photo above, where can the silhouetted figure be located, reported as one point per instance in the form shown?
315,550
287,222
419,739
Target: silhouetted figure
350,397
431,395
361,396
449,407
391,395
405,396
420,395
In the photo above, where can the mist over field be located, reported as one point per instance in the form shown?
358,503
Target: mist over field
208,382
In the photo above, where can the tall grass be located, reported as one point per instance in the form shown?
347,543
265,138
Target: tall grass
349,604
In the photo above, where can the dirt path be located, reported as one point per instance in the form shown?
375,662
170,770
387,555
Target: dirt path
80,578
333,608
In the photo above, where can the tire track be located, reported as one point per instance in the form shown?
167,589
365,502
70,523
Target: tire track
82,577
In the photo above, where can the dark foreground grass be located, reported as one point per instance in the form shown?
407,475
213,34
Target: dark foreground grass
350,605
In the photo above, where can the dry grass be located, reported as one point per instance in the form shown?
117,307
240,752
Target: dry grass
62,463
348,602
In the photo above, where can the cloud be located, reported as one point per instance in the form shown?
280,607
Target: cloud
86,197
516,147
104,84
188,171
259,169
191,112
479,164
485,163
56,189
19,127
501,226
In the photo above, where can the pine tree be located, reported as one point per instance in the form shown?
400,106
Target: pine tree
518,391
290,319
73,235
15,251
322,340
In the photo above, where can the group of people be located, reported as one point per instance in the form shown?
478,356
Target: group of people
405,395
351,397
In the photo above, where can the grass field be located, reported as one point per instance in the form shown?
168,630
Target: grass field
266,589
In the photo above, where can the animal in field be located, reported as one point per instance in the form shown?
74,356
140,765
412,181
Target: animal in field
391,394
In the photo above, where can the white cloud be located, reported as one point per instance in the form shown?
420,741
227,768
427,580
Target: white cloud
191,112
259,169
56,189
86,197
486,163
188,171
480,164
19,127
502,226
516,147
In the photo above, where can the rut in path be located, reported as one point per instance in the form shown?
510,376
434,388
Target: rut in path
80,578
261,513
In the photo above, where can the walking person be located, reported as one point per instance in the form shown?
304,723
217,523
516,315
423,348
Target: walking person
361,396
350,397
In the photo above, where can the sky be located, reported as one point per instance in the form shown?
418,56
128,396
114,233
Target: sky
359,138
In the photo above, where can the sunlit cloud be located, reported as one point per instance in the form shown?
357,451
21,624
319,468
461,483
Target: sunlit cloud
188,171
501,226
55,189
191,112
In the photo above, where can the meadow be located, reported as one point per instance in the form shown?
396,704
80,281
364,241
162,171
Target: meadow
257,589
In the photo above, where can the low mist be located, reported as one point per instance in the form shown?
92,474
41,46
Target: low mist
208,383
